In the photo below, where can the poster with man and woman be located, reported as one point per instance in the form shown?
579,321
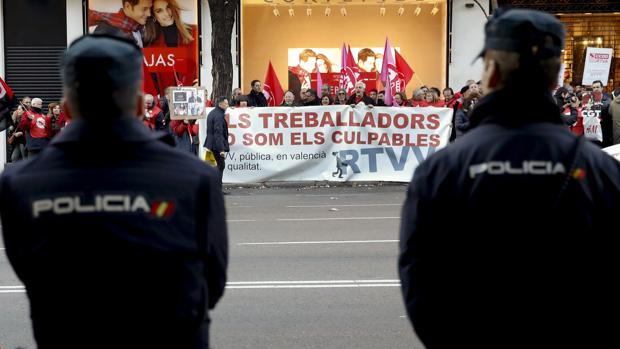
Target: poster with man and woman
166,30
304,63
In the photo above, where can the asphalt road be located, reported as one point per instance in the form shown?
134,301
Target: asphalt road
309,268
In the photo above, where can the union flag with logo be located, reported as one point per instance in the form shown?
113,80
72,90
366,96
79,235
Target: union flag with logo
349,71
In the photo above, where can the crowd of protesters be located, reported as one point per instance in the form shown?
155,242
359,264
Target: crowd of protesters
573,103
591,112
31,130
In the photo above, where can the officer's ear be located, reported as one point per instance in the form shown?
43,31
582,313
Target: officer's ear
140,104
491,76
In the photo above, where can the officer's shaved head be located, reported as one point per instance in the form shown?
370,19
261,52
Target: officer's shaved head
102,77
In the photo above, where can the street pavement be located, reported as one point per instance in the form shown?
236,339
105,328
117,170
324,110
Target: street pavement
310,267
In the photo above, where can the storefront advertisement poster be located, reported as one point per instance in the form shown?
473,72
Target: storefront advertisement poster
167,31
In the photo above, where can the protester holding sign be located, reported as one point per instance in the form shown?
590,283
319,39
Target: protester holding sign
597,120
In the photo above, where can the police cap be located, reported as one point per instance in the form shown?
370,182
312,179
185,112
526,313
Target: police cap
102,62
519,30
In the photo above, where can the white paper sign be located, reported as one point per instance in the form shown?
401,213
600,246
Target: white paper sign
561,75
598,63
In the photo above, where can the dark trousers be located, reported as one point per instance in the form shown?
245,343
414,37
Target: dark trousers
221,164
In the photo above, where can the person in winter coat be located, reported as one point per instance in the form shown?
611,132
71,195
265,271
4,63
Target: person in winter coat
450,99
400,99
256,98
217,134
598,102
360,96
341,97
38,126
505,236
17,137
153,115
289,99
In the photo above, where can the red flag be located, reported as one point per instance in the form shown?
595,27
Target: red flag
403,68
6,103
272,89
350,60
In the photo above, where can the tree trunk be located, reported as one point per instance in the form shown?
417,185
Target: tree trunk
222,21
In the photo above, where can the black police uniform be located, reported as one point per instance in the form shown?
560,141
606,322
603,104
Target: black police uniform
119,238
508,235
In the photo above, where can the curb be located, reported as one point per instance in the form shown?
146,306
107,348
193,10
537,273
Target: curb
311,184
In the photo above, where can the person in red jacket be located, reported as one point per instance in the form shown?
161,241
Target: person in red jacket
449,98
153,115
431,99
39,127
400,99
167,30
186,135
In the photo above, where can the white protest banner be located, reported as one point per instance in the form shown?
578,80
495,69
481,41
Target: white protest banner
614,151
598,63
331,143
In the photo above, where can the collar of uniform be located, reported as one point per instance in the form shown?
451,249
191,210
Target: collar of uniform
124,129
507,107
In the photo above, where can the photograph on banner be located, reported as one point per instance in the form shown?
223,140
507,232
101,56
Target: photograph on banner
302,62
597,65
332,143
167,30
186,102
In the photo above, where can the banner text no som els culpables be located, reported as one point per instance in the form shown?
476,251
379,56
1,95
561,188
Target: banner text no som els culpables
334,143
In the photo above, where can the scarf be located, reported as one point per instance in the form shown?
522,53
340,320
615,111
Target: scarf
118,20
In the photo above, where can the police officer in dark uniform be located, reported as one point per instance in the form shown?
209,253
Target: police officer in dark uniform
509,235
119,238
